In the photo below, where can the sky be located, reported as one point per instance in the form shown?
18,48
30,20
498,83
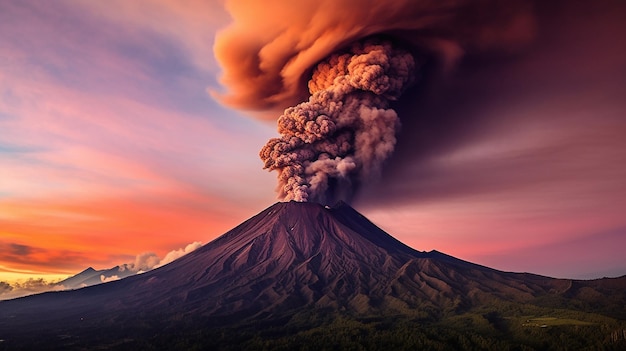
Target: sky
134,127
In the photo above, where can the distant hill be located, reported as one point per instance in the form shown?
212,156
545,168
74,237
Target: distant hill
298,272
91,276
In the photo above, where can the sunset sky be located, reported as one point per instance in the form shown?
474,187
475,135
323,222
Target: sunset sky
124,129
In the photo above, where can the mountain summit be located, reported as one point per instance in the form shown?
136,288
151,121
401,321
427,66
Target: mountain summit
290,255
296,257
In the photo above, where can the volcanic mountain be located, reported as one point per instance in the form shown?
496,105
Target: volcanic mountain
297,257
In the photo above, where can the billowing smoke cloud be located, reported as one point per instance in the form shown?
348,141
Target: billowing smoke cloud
149,260
270,47
105,279
340,137
143,263
176,254
346,129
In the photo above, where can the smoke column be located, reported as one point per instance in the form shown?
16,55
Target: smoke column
346,130
340,137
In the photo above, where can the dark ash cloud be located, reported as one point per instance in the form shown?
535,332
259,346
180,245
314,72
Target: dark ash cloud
341,136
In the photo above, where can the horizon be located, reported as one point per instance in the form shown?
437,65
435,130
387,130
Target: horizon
123,136
147,262
61,277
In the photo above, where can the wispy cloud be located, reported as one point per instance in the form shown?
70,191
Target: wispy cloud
142,263
106,127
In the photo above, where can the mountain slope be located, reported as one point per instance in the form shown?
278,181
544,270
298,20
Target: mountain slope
77,281
290,255
297,257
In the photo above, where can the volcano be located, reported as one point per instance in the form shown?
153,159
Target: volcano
294,259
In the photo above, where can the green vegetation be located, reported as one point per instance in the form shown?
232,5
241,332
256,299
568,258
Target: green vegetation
545,322
500,327
471,331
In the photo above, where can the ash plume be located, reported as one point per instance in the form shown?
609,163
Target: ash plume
268,50
346,129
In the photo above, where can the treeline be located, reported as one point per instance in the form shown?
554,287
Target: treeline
472,331
496,328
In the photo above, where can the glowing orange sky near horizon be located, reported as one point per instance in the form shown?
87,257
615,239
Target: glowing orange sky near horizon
111,146
102,161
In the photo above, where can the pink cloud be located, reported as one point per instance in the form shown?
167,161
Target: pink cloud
99,151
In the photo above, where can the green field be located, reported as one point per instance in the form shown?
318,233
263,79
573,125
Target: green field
553,321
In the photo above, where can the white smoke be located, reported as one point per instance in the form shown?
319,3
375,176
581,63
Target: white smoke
176,254
105,279
149,260
143,262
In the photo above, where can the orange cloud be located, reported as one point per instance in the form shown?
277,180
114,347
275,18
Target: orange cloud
271,45
67,236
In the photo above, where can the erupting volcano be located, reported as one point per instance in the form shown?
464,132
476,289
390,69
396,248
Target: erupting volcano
291,260
491,116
